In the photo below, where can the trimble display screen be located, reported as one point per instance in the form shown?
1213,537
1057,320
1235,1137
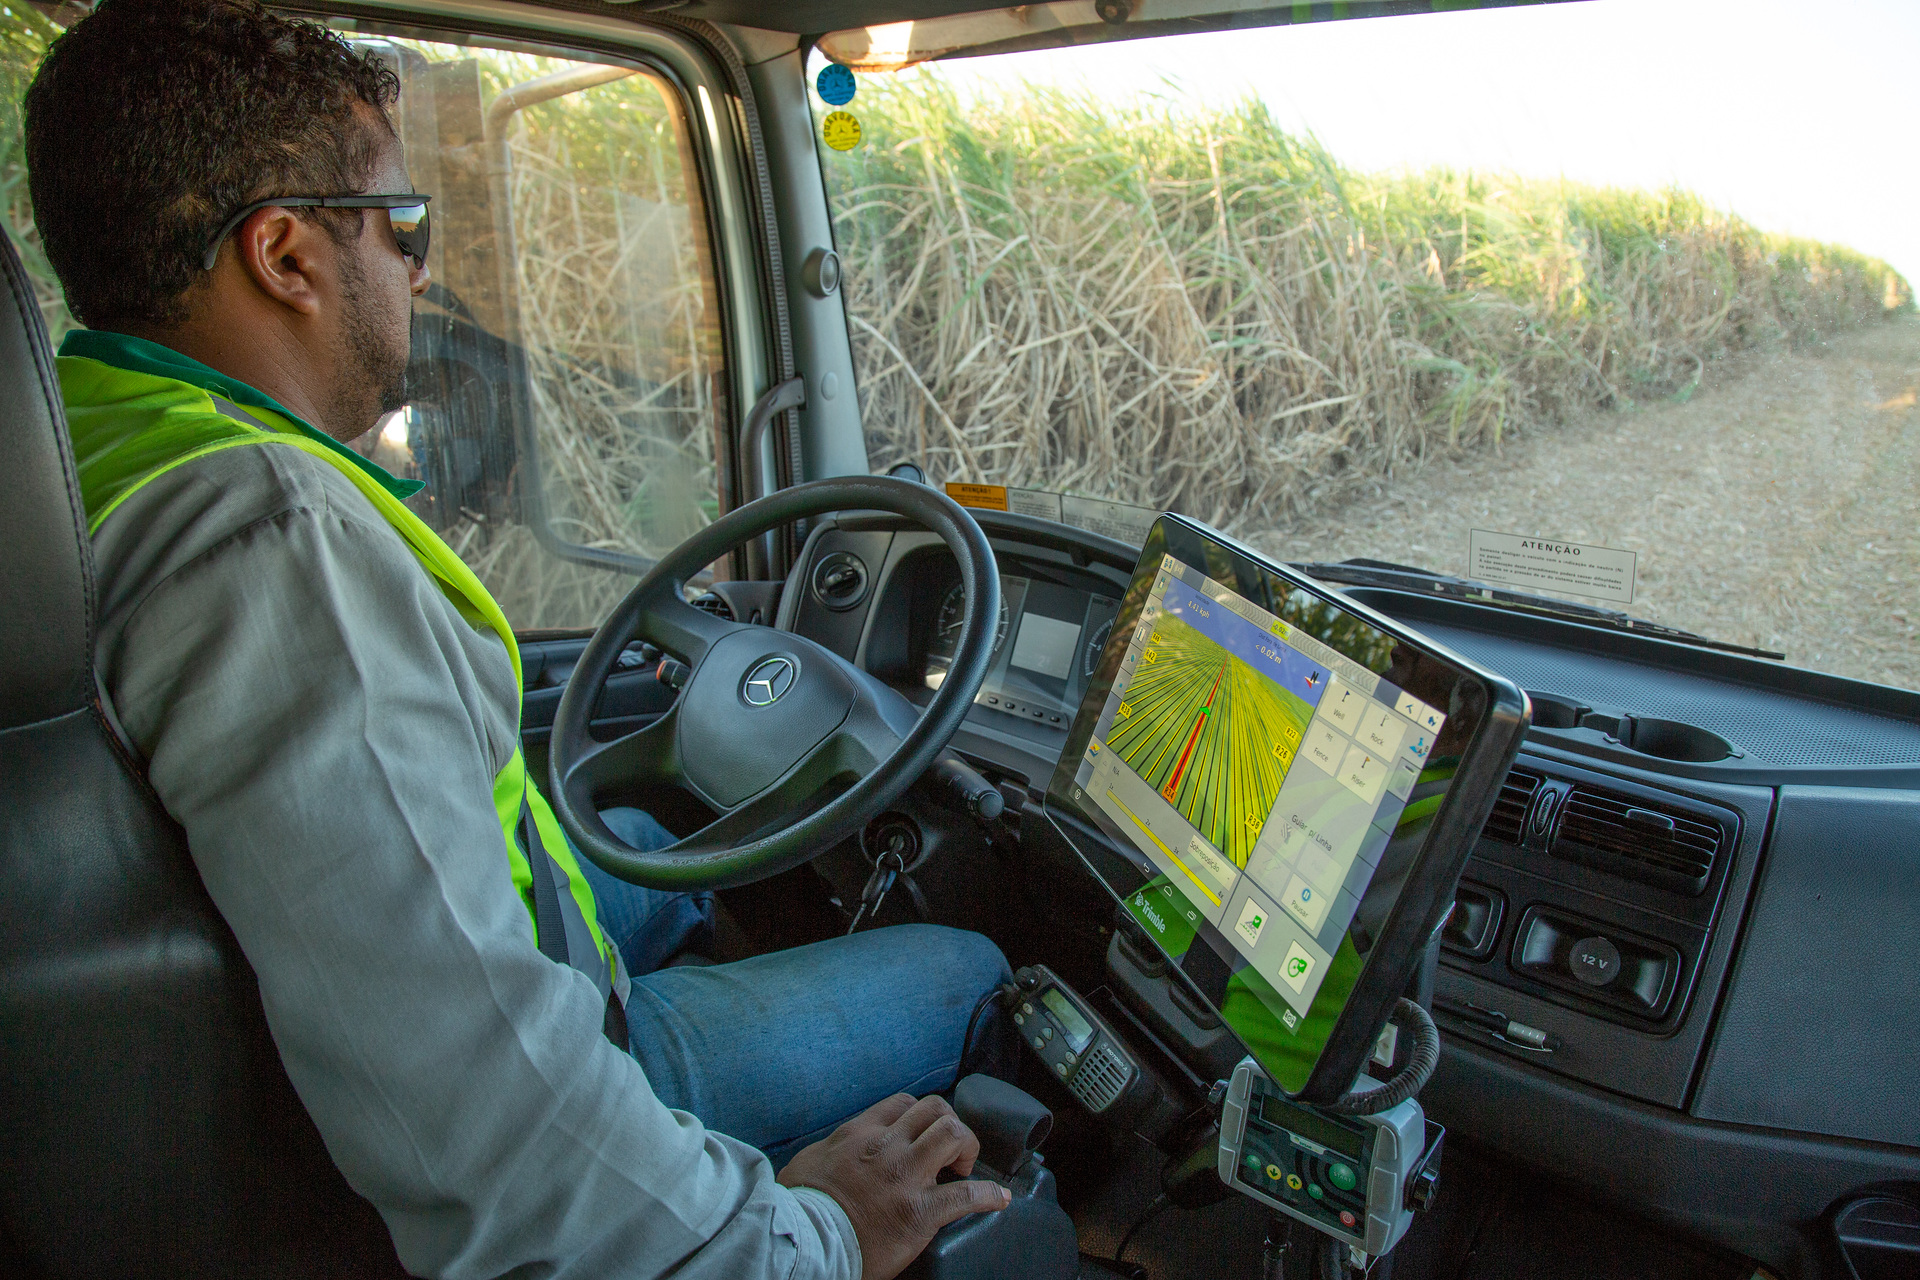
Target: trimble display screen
1272,764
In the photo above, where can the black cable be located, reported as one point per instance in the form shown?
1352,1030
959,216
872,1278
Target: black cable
1278,1246
1146,1215
1331,1259
1419,1069
979,1007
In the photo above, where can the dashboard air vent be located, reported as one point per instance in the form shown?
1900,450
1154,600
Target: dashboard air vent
1509,817
714,605
1640,839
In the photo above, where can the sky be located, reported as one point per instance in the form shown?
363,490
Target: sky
1802,118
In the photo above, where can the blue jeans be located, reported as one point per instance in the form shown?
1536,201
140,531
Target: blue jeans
779,1049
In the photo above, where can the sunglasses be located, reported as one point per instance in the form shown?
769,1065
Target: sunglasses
407,213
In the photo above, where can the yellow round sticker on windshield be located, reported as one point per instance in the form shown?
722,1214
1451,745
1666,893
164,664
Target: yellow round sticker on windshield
841,130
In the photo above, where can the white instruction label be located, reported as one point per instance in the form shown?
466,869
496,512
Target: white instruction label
1555,568
1034,502
1117,520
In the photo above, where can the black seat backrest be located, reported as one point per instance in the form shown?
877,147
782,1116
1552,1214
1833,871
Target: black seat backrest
146,1125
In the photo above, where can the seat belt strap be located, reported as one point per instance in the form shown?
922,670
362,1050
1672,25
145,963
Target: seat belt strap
614,1024
547,922
551,925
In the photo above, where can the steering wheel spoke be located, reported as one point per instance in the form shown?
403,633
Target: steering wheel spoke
867,738
772,809
645,756
684,631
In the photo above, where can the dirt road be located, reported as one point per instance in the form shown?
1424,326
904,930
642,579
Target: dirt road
1779,507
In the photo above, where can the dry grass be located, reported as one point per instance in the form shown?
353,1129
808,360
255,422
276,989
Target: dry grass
25,34
615,315
1207,315
622,343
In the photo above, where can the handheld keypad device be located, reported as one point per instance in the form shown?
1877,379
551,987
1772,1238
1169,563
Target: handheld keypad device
1346,1176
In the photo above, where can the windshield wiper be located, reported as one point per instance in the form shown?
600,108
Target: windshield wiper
1400,577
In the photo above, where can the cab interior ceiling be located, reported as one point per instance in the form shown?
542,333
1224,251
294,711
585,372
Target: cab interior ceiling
971,30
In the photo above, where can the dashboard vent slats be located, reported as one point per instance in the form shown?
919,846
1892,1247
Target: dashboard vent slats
1509,817
1640,839
713,604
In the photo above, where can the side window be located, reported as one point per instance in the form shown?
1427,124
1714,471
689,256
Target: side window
25,34
566,386
566,392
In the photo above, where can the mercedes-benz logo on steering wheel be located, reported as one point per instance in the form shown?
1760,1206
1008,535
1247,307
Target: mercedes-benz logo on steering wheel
769,681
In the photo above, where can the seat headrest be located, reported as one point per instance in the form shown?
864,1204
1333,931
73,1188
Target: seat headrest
46,559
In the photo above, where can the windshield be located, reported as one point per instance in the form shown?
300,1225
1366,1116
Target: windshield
1607,302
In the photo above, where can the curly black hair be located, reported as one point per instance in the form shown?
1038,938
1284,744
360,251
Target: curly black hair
151,121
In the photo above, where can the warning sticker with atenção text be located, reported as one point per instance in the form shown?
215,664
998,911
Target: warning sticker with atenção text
1550,566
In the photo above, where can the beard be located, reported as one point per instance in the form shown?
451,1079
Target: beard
373,367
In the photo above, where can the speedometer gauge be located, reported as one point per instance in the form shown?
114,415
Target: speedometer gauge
953,615
1096,644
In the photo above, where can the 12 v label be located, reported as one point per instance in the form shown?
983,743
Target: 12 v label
1550,566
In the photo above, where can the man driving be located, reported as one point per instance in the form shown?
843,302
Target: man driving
327,701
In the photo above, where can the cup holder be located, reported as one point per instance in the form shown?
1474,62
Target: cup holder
1552,711
1649,735
1673,740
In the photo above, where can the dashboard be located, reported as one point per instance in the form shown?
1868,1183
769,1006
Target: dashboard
1058,602
1708,928
1045,648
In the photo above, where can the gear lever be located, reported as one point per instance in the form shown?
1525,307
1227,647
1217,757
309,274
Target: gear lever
1009,1122
1032,1237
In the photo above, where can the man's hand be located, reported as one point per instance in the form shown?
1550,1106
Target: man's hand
881,1168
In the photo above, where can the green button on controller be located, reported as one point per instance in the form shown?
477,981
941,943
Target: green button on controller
1343,1177
1314,1190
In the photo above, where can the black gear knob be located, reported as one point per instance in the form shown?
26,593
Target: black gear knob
1009,1122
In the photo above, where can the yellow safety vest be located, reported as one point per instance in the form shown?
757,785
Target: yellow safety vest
136,410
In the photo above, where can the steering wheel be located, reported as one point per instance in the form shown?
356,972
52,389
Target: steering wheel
792,745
